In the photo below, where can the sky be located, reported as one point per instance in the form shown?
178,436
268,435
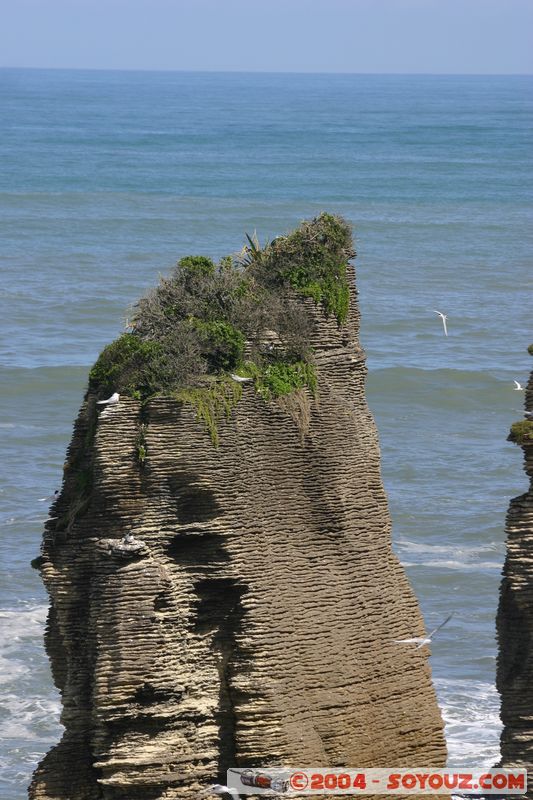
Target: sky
371,36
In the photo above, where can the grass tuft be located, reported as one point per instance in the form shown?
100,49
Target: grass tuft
212,403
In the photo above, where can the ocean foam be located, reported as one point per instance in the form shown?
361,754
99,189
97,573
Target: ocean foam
471,713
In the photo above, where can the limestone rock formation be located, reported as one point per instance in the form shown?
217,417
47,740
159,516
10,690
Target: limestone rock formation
251,619
515,614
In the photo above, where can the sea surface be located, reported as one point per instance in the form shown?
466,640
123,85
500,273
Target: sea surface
107,178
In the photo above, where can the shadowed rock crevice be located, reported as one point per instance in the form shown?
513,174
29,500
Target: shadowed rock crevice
219,615
193,503
252,622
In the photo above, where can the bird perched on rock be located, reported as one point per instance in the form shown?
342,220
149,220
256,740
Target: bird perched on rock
50,497
269,341
240,379
111,401
129,538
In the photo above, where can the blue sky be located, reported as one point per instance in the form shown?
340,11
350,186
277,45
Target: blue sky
428,36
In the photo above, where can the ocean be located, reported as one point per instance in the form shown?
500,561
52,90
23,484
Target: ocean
108,178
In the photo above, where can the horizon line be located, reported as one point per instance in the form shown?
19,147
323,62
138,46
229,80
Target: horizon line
270,72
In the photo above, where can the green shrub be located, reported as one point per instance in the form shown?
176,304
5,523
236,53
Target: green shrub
198,266
522,432
222,344
142,368
312,259
530,349
280,378
121,364
283,378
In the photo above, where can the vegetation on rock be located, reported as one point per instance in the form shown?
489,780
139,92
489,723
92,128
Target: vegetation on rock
280,378
312,259
129,363
207,320
141,445
522,432
212,403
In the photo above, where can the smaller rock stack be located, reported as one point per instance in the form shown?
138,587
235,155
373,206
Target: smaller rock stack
515,613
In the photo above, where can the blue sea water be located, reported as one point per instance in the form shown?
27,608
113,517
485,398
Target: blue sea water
107,178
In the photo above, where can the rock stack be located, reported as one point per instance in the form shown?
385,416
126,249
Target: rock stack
249,620
515,613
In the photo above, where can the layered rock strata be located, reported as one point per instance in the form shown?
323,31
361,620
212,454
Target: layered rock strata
251,620
515,617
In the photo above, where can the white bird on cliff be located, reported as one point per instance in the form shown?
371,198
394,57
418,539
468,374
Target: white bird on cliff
217,788
128,538
443,317
518,387
420,641
240,379
111,401
50,497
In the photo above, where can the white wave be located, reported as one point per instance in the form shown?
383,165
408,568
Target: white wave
11,425
471,550
459,565
25,520
471,713
11,669
23,622
31,718
30,708
16,629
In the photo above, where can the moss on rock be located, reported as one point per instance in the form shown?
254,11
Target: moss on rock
521,432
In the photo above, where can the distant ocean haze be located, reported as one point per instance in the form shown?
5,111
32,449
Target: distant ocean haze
107,178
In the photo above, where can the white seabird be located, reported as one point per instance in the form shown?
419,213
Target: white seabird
443,317
518,387
111,401
50,497
217,788
420,641
240,379
527,414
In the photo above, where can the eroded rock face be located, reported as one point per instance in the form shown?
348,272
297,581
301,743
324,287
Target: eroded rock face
515,625
254,622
